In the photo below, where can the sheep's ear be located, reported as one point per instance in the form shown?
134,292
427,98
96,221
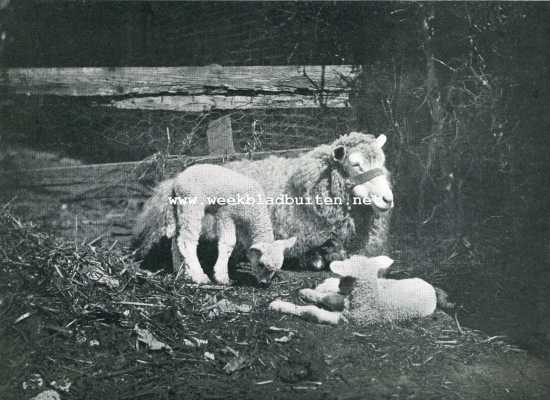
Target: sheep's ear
381,140
339,154
254,256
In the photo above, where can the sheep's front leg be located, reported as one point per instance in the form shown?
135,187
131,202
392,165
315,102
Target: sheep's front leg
227,238
189,222
309,312
376,242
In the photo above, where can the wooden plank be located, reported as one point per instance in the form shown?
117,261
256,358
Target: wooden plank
211,79
201,103
114,179
220,136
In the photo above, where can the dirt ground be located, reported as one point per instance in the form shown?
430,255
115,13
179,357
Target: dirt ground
61,326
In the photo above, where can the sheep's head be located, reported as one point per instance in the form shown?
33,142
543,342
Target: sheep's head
364,169
267,258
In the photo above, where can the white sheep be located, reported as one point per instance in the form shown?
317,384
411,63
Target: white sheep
372,300
203,201
350,171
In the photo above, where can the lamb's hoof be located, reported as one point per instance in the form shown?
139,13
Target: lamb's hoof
308,295
200,279
280,306
223,279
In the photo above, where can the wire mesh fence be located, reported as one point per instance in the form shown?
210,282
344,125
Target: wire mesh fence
78,129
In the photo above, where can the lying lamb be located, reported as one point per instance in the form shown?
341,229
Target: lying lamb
202,201
372,300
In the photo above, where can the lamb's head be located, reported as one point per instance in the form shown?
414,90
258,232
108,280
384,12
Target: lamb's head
363,167
361,273
267,258
361,267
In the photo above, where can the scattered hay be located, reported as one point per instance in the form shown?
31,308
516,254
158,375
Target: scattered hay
83,313
64,319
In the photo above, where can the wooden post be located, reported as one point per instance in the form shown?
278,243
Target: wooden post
220,137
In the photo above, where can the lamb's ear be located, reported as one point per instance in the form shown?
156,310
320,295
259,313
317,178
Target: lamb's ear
370,267
258,247
381,140
254,254
339,154
288,243
342,268
380,262
383,264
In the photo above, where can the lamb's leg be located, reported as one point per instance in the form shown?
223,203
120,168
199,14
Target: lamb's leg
326,294
309,312
332,301
329,285
189,223
227,238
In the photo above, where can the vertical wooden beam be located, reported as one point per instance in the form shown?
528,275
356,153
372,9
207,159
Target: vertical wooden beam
220,137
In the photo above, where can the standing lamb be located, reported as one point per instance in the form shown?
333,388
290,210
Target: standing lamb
202,201
372,300
351,172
